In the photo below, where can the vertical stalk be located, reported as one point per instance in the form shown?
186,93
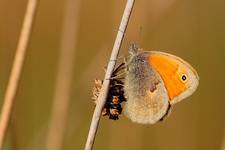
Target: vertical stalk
61,100
17,66
111,65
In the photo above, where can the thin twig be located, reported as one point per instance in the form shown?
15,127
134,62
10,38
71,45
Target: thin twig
111,65
223,141
59,115
16,68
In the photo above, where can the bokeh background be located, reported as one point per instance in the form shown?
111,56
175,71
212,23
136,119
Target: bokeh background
193,30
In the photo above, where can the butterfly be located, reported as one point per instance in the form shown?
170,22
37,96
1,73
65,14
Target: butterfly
154,82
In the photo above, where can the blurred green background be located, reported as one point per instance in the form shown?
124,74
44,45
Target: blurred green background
193,30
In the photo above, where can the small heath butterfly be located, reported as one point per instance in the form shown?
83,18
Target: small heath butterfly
154,82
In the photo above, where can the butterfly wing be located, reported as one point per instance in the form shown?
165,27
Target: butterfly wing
179,77
147,98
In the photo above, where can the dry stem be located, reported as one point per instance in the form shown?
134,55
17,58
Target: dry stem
58,120
16,68
223,141
111,65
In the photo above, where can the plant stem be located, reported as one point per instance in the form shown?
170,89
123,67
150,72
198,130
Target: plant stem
223,141
111,65
59,114
17,68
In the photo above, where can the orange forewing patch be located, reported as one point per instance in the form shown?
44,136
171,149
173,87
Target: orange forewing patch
169,70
